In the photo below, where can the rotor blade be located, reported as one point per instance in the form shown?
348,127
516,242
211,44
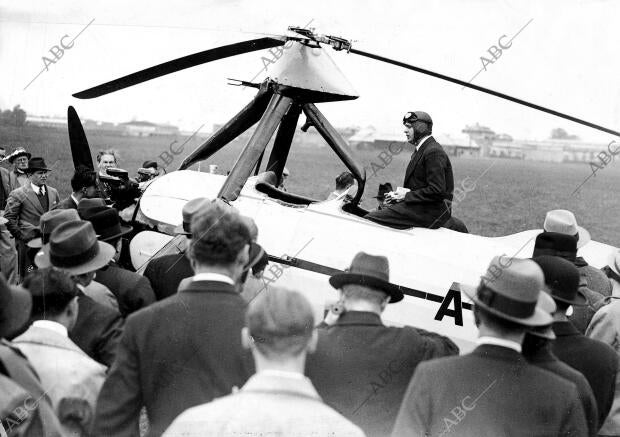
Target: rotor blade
180,64
484,90
77,139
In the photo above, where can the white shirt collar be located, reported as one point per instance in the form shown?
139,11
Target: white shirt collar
421,142
36,188
51,326
499,342
282,374
74,199
213,277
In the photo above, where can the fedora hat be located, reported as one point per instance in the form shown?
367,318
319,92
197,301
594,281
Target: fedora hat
88,203
562,279
189,209
614,261
383,190
20,151
73,247
106,222
50,221
15,307
36,164
371,271
564,222
514,294
556,244
547,305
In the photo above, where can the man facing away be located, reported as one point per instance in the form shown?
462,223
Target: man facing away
538,342
32,415
71,378
185,350
493,391
132,291
166,272
362,367
278,399
597,361
426,195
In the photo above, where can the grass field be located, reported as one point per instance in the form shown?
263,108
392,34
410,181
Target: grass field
505,196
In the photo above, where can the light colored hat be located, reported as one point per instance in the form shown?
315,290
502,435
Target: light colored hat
189,209
546,304
512,292
564,222
614,261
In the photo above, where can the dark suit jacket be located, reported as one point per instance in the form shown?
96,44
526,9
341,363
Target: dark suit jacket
167,272
430,179
23,211
98,330
8,182
545,359
177,353
596,360
362,368
490,392
132,290
67,203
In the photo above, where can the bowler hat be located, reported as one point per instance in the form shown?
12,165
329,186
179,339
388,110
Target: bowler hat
413,116
20,151
15,307
371,271
106,222
383,190
36,164
562,279
556,244
189,209
564,222
513,293
50,221
73,247
149,164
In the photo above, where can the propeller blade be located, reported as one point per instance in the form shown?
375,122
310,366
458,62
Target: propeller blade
484,90
77,139
180,64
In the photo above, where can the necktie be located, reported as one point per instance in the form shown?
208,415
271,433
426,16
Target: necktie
41,192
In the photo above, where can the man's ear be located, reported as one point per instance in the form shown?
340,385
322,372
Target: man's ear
313,341
246,339
244,256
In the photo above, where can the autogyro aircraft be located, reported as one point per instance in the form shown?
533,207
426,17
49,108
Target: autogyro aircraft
307,240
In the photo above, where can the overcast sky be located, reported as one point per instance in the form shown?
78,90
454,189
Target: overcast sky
566,58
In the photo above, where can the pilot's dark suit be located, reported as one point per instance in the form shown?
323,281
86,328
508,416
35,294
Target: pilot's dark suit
429,177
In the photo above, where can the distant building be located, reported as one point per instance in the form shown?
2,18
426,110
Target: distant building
133,128
368,138
146,129
55,122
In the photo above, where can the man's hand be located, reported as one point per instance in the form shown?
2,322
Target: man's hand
394,197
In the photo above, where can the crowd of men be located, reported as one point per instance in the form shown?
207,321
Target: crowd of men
89,347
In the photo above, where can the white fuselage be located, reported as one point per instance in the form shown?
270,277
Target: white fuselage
431,261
